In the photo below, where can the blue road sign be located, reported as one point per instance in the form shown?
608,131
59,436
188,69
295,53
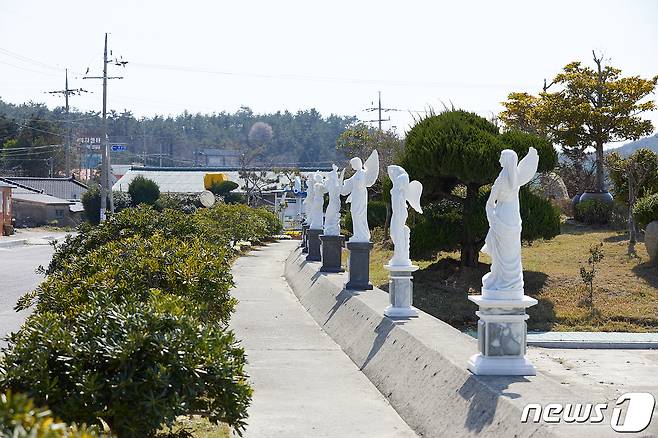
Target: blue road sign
119,147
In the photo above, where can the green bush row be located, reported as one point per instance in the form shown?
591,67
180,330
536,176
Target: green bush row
220,225
129,328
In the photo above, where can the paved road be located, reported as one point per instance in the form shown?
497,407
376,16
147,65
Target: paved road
304,385
17,276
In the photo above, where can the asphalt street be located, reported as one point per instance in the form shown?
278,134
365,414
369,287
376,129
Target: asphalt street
18,275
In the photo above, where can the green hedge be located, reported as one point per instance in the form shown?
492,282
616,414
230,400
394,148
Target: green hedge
136,366
646,210
130,327
133,266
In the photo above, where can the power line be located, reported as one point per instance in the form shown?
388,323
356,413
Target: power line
27,69
320,78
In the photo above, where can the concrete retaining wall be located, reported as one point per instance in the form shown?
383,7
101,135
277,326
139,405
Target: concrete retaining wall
420,365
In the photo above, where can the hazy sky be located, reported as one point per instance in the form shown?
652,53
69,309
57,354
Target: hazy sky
334,56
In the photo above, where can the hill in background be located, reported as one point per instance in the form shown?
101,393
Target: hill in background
646,142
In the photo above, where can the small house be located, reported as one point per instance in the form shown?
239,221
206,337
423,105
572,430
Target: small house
6,227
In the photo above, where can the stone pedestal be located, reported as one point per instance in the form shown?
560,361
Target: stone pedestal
313,245
400,291
305,238
358,266
332,253
502,333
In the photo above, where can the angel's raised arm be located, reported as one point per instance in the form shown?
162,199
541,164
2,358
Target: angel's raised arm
527,167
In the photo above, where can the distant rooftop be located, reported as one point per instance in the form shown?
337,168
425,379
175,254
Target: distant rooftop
191,179
64,188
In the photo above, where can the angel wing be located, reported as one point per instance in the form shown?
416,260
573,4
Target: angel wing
527,167
371,167
413,192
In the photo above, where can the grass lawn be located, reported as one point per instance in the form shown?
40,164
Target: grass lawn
196,427
625,296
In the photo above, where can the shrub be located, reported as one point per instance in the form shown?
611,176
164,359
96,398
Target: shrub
460,148
177,201
643,164
541,219
122,200
129,268
91,202
20,418
646,210
440,226
239,222
593,212
133,365
143,191
222,188
140,221
376,216
272,223
220,225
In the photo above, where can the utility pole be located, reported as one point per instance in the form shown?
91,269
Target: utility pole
67,92
379,110
106,186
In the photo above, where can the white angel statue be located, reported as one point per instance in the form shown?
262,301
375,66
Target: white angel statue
308,200
317,203
503,241
402,192
332,185
297,185
357,187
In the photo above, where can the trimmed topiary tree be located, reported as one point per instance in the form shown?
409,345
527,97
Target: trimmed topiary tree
143,191
461,148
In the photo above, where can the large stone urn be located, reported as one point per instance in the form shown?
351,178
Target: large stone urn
651,240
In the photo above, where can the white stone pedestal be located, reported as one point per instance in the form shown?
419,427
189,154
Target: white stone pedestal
502,333
400,291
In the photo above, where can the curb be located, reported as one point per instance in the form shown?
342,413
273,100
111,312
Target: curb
26,241
594,345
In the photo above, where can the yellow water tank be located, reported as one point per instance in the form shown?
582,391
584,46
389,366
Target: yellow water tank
210,178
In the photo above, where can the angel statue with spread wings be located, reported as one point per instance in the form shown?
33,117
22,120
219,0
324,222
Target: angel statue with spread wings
503,241
317,202
402,192
332,185
357,187
308,200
